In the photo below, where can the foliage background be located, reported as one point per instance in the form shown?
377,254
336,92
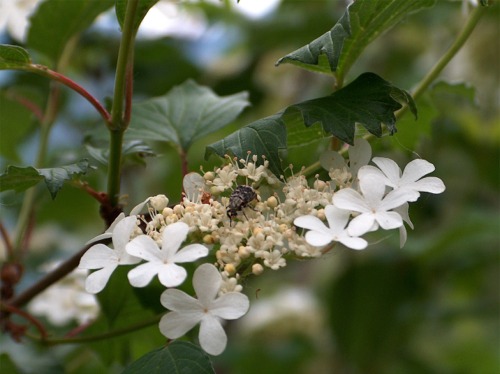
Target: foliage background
431,307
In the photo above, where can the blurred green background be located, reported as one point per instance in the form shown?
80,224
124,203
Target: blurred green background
431,307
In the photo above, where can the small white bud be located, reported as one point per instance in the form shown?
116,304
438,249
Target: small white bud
257,269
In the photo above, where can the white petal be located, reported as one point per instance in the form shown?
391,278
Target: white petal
141,275
144,247
97,280
361,224
231,305
97,257
171,275
174,325
353,243
331,160
403,235
350,199
138,208
190,253
178,300
373,189
206,283
172,237
415,170
318,239
429,184
389,220
337,218
389,168
109,232
122,231
397,198
212,336
311,223
359,155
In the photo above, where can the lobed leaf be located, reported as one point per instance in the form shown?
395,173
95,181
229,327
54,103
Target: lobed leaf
185,114
368,100
177,357
21,178
363,21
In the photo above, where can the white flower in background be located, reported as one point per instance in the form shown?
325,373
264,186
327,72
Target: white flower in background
375,207
162,261
14,16
320,235
411,178
106,259
66,300
208,310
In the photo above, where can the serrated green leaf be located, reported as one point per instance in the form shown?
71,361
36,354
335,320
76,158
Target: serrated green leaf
177,357
56,22
368,100
363,22
185,114
263,137
55,177
329,44
13,57
142,9
19,178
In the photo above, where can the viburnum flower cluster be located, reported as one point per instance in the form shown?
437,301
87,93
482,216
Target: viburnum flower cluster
286,219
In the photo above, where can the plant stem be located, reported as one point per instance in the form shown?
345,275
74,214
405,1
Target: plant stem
118,125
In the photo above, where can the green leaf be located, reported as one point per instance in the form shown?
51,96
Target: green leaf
56,22
185,114
142,9
21,178
363,22
368,100
177,357
329,45
13,57
55,177
263,137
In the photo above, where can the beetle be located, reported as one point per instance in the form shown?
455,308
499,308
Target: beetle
239,199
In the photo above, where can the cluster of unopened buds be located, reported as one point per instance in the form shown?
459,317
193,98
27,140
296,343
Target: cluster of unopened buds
240,219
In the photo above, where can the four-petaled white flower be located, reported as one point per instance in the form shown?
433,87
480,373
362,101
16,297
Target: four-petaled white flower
106,259
375,208
208,310
411,178
320,234
162,261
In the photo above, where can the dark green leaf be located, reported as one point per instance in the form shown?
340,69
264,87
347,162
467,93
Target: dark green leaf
185,114
56,22
13,57
55,177
19,178
263,137
142,9
177,357
369,100
363,22
329,44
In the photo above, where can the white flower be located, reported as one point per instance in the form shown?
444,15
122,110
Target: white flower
66,300
14,16
163,261
320,234
109,232
411,178
208,310
102,257
373,205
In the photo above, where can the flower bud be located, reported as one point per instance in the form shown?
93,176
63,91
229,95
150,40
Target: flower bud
257,269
